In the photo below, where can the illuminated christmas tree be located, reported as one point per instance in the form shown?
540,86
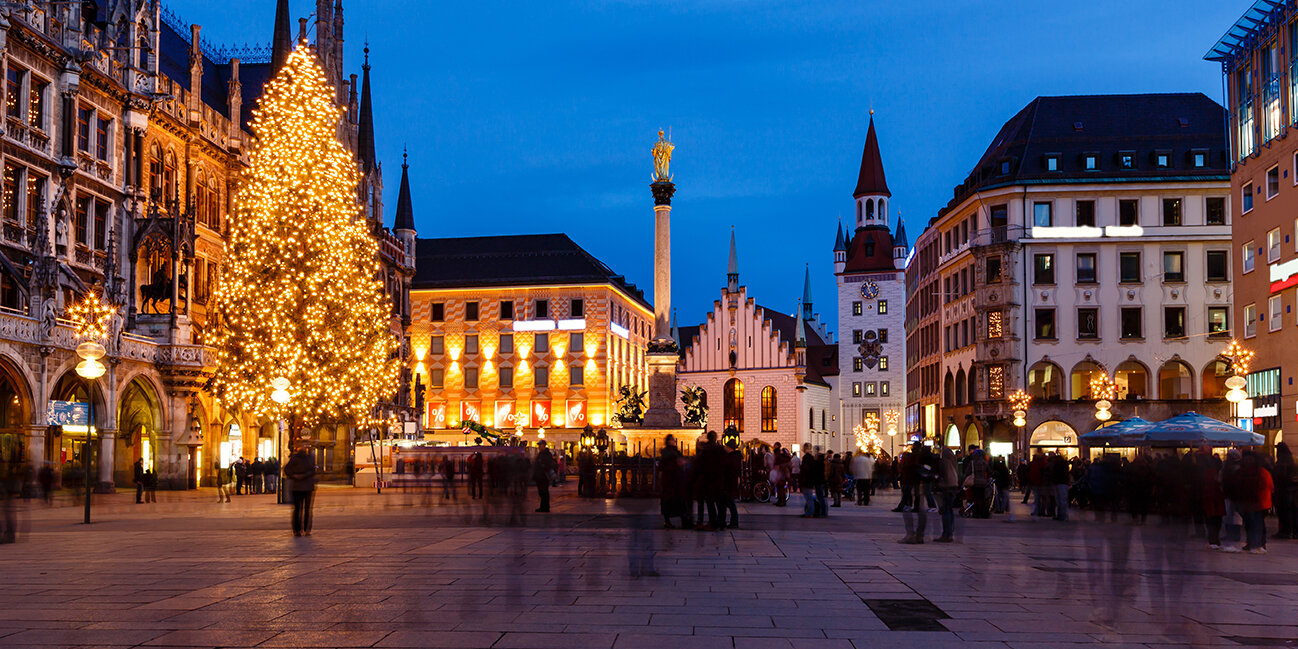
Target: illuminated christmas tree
300,297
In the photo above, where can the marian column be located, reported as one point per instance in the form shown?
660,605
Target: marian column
663,353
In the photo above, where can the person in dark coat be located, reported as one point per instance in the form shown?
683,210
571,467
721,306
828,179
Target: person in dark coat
137,474
734,466
240,475
300,473
541,470
1285,497
256,476
710,467
674,500
476,470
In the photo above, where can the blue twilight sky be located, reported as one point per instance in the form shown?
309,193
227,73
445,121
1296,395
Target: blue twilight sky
530,117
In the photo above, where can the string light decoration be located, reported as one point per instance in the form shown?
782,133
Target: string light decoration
91,316
1240,358
1102,390
301,297
1019,401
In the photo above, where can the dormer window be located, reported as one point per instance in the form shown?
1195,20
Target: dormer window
1162,159
1127,159
1052,162
1199,159
1005,167
1090,162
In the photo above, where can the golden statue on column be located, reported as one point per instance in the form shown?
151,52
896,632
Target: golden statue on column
662,152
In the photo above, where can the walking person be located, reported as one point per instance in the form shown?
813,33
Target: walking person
270,477
300,473
1213,500
837,476
977,475
1253,497
476,469
1286,492
674,500
863,471
948,485
240,476
256,476
541,470
730,489
222,482
137,474
803,472
781,475
150,486
921,473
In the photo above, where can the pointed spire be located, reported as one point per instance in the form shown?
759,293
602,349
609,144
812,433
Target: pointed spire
839,244
405,219
365,135
282,40
899,239
676,334
732,268
871,180
806,293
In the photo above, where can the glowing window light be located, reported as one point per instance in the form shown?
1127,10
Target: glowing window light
534,325
619,330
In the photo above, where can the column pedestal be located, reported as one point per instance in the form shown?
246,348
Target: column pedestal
662,412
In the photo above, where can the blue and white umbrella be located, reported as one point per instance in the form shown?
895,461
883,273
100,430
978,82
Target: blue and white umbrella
1126,432
1194,429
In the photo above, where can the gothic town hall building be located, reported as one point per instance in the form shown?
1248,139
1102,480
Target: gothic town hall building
125,132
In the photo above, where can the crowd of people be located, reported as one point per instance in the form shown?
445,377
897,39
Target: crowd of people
1223,498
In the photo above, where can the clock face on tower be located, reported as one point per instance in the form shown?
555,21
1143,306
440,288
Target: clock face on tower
869,290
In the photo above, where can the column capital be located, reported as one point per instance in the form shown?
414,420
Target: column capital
663,191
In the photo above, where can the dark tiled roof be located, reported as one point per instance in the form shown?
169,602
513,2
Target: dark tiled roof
1071,128
173,63
513,260
687,336
786,326
871,180
870,250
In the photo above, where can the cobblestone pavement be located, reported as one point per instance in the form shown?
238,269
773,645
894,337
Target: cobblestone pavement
410,571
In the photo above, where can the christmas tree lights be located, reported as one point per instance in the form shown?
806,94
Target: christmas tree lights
301,297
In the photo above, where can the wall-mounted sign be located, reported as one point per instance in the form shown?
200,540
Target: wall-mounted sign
471,411
576,414
540,414
67,413
1283,275
436,417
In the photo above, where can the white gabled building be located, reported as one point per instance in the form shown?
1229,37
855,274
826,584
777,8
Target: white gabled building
769,374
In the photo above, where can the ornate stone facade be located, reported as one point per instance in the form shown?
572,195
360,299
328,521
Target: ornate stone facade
124,136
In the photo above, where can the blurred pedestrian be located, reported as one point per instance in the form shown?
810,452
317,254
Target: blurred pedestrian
863,470
476,469
137,475
948,485
256,476
923,473
542,468
222,482
674,497
150,486
300,473
730,490
1286,492
836,475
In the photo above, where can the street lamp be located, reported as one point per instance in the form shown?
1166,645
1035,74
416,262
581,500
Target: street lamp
1019,401
1239,361
587,438
731,434
91,316
279,394
1102,390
